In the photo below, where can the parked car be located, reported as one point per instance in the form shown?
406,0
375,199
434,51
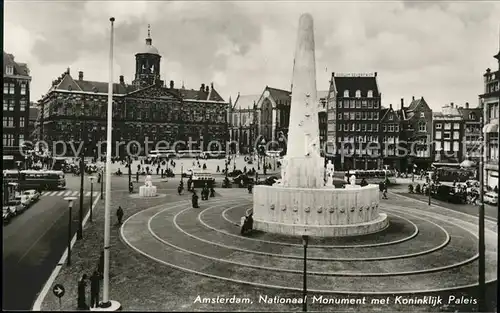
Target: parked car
243,180
234,173
491,198
7,214
16,206
32,195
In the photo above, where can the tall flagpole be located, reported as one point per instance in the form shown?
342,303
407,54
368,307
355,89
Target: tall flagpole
106,303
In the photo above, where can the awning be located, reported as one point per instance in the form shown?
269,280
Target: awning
490,128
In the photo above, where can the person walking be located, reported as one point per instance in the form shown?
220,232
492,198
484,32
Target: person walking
94,289
119,215
81,300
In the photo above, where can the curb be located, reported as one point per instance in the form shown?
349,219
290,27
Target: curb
41,296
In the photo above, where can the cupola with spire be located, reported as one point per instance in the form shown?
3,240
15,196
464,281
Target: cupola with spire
147,64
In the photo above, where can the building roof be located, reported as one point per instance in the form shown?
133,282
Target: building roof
279,94
353,83
415,103
67,83
466,113
19,68
148,48
245,102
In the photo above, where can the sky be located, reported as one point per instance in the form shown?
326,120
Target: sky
438,50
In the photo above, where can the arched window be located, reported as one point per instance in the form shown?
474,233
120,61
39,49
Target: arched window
472,116
346,93
358,93
370,93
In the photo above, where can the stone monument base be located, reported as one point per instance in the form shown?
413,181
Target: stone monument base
324,230
322,212
147,191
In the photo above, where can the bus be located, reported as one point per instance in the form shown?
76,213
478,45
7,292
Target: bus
189,153
162,154
39,180
213,154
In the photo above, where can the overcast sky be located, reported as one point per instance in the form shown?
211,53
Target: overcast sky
436,50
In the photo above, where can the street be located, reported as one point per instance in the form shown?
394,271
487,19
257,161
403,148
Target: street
33,243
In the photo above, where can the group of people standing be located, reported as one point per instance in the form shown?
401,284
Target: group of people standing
95,280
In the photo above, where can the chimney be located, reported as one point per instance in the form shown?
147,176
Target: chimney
171,84
202,88
451,105
375,74
413,98
402,104
390,106
207,89
80,75
466,105
122,80
212,85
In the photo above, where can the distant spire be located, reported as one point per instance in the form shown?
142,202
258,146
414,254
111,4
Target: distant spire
149,30
183,85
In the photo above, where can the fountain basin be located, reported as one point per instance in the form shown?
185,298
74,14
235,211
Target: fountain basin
323,212
147,191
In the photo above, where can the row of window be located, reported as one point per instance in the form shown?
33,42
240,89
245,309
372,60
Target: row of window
358,127
390,128
447,125
446,146
8,139
358,104
358,94
8,121
360,116
10,105
447,135
352,139
9,88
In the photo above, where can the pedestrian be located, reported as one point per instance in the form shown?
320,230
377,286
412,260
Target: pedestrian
204,166
119,215
180,188
218,169
384,193
250,187
137,176
81,300
94,289
212,192
194,200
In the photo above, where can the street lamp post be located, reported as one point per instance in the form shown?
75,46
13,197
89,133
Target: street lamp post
19,176
130,170
92,178
305,240
70,206
429,186
79,234
262,151
482,247
102,184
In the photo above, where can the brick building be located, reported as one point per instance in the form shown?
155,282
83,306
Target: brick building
75,109
471,135
16,107
416,134
354,112
390,124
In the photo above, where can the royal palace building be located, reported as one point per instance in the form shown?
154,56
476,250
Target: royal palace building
147,110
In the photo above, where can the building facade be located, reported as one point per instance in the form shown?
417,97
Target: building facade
490,100
416,134
448,127
354,112
265,117
16,108
390,124
471,135
145,113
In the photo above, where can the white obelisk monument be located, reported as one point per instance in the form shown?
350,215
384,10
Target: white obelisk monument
301,204
305,166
